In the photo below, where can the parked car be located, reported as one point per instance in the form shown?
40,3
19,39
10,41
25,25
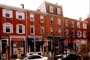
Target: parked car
35,57
60,56
34,53
71,57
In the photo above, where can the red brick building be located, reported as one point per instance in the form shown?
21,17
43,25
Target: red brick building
19,28
75,32
25,31
88,21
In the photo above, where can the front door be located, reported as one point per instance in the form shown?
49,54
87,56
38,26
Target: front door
3,48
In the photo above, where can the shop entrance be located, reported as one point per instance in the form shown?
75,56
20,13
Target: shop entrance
3,48
18,49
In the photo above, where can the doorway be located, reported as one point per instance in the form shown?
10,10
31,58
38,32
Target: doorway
3,48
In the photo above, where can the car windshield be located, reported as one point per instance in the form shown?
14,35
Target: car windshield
34,57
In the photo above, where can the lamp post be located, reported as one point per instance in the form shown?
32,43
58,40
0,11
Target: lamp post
34,37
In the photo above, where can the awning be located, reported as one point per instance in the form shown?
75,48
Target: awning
37,42
56,37
17,39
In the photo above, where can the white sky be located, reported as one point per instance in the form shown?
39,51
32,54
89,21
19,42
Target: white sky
71,8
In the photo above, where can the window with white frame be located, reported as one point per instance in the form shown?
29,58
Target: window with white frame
66,23
78,24
58,11
51,9
20,28
79,34
42,29
31,17
32,29
8,28
51,20
73,24
7,13
51,30
73,33
42,19
84,34
66,32
59,21
20,15
59,30
84,26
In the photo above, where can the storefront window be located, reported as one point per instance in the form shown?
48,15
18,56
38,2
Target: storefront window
18,47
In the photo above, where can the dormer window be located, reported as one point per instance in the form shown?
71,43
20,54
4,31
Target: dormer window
51,8
58,11
7,13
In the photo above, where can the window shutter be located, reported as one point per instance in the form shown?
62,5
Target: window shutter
23,29
17,28
11,28
4,28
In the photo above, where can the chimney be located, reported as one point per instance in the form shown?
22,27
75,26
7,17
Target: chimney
80,18
22,5
56,4
38,10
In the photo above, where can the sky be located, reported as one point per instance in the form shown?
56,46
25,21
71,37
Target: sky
71,8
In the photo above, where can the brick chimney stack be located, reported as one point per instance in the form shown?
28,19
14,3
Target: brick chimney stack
80,18
22,5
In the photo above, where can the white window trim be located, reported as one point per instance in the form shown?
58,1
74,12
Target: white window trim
84,26
66,23
23,29
78,24
73,24
51,29
73,35
32,16
20,13
79,35
4,28
32,26
42,19
51,19
4,11
59,21
58,11
84,34
59,31
67,32
51,9
42,28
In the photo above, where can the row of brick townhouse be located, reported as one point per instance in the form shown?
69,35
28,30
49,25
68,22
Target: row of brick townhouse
88,21
75,32
20,29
